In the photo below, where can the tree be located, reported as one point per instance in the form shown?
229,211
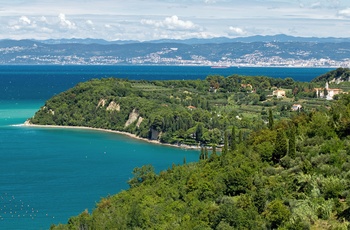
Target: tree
240,137
214,149
225,149
157,123
291,145
201,156
325,92
145,173
276,213
270,124
199,132
281,147
233,139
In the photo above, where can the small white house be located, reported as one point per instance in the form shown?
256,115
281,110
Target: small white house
279,93
296,107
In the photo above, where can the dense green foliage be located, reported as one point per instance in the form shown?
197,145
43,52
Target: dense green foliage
246,188
192,112
276,169
343,74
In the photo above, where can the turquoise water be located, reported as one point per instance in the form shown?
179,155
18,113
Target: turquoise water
48,175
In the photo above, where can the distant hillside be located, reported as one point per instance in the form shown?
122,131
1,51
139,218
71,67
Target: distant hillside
338,75
192,41
264,51
258,38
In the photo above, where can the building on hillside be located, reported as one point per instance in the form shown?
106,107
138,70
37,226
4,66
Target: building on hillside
247,86
279,93
191,107
296,107
327,92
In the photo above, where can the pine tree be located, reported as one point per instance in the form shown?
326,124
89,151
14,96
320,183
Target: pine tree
206,154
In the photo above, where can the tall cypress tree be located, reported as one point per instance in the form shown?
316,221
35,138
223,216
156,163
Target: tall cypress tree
270,124
201,156
199,132
291,146
225,149
281,147
233,139
214,149
240,137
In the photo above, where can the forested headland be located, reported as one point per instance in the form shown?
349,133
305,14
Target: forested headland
283,163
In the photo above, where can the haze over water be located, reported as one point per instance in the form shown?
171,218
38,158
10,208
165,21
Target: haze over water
48,175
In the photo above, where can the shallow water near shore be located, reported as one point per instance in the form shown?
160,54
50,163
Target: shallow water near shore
48,175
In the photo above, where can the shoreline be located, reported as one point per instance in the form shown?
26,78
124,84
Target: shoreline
190,147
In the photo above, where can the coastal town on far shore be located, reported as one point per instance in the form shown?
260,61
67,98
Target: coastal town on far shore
154,59
263,54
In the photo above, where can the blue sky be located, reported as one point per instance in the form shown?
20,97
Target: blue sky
178,19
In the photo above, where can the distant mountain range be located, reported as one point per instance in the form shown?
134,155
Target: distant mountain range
258,38
278,50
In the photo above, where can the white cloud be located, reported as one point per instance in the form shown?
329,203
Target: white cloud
151,19
24,20
209,1
171,23
316,5
237,31
66,23
344,12
43,19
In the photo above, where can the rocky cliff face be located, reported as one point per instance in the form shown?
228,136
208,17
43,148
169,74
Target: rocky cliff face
133,116
101,103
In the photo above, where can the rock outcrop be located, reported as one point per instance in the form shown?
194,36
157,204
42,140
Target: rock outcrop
101,103
133,116
113,106
139,121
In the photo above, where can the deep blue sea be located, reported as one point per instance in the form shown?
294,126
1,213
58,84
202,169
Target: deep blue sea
48,175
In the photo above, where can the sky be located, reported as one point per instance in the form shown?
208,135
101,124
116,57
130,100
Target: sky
145,20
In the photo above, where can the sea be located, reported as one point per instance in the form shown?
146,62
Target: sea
50,174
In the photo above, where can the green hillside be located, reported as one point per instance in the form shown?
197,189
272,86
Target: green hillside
192,112
292,176
340,75
274,168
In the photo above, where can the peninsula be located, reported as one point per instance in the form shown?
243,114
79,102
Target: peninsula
283,163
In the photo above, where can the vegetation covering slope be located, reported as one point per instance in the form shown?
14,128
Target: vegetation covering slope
340,74
290,172
292,176
192,112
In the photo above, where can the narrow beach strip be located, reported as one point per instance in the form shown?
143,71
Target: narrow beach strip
27,124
